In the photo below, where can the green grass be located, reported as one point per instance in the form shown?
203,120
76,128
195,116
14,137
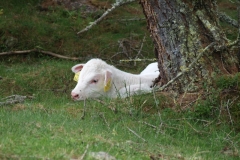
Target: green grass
55,130
52,126
230,8
56,30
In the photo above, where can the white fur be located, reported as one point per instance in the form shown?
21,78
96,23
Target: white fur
123,84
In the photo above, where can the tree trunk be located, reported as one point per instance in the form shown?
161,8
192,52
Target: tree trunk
190,45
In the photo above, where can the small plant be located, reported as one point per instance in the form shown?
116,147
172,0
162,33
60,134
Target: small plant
228,82
1,12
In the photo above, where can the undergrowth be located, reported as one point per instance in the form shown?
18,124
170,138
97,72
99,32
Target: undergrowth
221,103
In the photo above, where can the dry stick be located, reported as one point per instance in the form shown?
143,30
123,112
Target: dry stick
140,50
229,113
40,51
132,19
188,68
59,56
85,152
102,115
84,105
148,124
116,4
136,134
137,60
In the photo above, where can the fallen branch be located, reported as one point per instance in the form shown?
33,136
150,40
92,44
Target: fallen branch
225,18
40,51
14,99
137,60
116,4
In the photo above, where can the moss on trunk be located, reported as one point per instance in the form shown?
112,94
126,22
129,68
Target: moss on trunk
189,43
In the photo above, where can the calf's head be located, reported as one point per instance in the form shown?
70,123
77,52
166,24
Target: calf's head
94,80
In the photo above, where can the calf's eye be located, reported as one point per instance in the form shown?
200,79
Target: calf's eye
94,81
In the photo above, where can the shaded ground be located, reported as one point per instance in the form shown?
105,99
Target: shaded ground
86,5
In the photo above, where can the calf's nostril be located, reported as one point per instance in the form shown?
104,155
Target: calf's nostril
74,95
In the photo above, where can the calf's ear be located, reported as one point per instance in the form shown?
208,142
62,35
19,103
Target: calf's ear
107,81
77,68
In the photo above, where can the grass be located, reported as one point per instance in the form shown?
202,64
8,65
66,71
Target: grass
230,8
55,30
52,126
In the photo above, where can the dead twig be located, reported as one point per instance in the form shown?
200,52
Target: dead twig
230,117
148,124
114,6
84,105
140,50
85,152
136,135
137,60
103,117
200,132
40,51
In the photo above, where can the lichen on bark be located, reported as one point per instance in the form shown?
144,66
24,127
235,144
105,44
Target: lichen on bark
181,30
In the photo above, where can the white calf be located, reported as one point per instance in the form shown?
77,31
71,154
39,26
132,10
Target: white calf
97,78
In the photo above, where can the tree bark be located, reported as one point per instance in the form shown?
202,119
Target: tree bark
189,43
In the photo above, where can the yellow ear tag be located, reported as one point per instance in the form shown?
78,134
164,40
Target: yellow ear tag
107,86
76,76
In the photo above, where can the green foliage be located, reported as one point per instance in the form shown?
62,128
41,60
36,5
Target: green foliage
221,102
228,82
